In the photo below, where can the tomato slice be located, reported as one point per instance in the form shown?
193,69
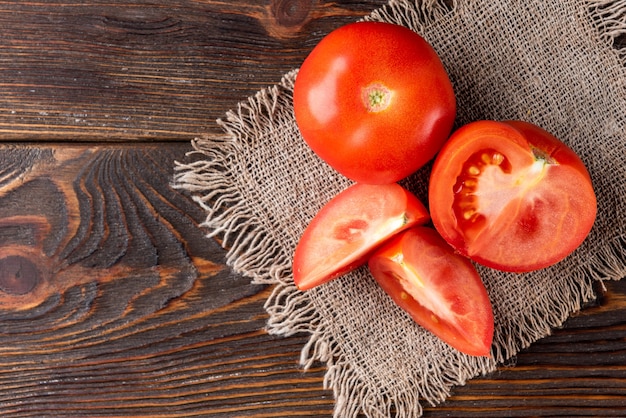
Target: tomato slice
349,227
511,196
440,290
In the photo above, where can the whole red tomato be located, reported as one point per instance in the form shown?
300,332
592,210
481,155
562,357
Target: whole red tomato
510,195
374,101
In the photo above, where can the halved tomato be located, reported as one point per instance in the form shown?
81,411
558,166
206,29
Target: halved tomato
510,195
439,289
349,227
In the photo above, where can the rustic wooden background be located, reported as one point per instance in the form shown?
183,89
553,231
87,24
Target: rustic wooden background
112,301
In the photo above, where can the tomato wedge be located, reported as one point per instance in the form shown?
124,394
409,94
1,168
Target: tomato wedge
349,227
439,289
511,196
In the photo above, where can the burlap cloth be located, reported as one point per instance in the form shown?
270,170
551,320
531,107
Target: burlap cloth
553,63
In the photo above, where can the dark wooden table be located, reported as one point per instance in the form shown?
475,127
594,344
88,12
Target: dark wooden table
112,301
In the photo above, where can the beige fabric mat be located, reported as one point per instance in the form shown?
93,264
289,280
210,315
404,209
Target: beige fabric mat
551,63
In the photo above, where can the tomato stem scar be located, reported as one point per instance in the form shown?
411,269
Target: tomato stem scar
540,154
376,97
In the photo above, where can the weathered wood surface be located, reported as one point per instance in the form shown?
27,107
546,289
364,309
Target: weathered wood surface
158,70
112,301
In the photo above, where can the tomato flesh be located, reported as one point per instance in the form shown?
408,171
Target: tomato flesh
374,101
349,227
511,196
439,289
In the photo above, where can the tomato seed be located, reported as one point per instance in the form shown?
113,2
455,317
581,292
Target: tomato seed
466,206
472,183
469,214
497,158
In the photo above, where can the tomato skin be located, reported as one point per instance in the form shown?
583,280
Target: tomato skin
440,290
349,227
334,113
525,210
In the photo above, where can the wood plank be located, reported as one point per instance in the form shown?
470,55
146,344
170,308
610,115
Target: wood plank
113,303
163,70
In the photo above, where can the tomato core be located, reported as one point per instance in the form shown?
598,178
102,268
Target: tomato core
487,186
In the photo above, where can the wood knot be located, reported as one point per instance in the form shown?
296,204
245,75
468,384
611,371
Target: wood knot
286,17
290,12
18,275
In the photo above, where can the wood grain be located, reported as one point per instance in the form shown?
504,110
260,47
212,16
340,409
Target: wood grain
112,300
127,71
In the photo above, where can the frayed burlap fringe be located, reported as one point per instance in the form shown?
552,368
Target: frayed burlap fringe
230,213
260,185
609,18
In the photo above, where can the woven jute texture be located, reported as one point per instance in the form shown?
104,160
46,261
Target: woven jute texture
554,63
